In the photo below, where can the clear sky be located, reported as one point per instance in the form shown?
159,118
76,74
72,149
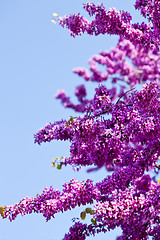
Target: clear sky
36,59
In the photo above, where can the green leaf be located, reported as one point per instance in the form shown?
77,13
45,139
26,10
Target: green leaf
83,215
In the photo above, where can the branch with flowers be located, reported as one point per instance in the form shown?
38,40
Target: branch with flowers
119,129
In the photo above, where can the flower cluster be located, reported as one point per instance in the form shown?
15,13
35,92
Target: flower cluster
79,231
125,64
52,201
136,213
113,22
101,141
150,10
80,93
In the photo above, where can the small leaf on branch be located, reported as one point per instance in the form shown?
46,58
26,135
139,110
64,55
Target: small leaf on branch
53,21
59,166
71,118
70,121
83,215
2,211
55,15
89,210
94,222
53,164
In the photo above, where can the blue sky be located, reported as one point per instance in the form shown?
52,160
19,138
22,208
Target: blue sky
36,59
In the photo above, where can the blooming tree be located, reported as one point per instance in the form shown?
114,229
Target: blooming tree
119,129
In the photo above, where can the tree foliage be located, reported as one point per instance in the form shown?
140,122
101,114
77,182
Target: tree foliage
119,129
